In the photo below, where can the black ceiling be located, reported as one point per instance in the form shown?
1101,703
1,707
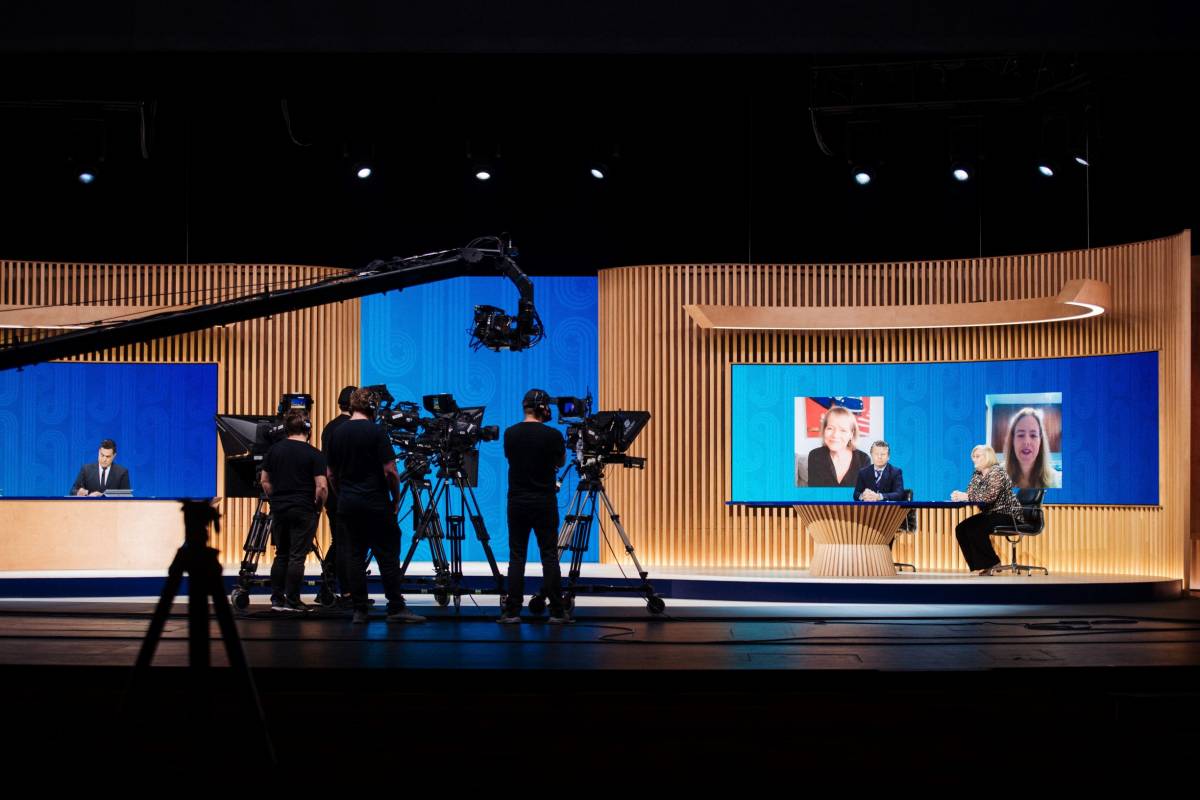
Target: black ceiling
721,125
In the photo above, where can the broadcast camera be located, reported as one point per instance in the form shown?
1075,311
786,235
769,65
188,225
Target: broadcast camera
246,439
600,438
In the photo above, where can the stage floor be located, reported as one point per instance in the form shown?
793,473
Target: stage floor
710,584
794,689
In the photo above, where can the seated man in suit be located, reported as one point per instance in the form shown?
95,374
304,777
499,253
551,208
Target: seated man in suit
96,479
879,480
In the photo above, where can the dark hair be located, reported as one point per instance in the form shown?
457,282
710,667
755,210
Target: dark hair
296,422
344,397
108,444
364,401
537,403
881,443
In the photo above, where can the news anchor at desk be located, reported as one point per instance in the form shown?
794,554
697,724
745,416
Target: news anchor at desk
879,480
95,479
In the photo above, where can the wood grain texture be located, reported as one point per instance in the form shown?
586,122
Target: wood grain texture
851,541
89,534
654,357
313,350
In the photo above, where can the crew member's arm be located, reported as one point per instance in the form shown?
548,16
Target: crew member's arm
393,481
332,481
561,456
322,492
265,479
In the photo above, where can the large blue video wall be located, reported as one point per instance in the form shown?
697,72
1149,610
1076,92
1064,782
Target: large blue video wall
415,341
1088,427
54,416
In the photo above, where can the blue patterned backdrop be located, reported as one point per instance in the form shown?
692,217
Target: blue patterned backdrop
935,413
53,417
416,342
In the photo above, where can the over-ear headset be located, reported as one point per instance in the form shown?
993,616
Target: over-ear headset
537,401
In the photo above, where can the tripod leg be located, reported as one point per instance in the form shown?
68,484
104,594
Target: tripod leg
481,532
616,520
233,645
161,612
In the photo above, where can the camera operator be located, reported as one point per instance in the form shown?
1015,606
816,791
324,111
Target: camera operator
362,467
293,478
339,547
534,451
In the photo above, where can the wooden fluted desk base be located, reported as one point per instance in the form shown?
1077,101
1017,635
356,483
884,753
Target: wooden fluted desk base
852,540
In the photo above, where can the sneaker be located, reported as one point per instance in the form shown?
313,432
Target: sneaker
509,618
299,607
404,614
282,605
360,617
559,619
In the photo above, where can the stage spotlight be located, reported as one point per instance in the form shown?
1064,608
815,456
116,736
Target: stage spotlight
961,174
1045,169
1083,162
483,174
862,176
599,172
87,177
363,172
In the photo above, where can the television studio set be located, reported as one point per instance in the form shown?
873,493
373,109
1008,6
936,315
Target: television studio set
786,391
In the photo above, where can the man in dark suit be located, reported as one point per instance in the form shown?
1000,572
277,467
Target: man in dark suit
879,480
97,478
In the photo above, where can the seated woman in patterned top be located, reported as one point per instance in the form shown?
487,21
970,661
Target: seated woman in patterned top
991,487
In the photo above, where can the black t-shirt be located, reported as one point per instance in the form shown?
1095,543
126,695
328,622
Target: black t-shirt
357,451
293,467
534,451
329,428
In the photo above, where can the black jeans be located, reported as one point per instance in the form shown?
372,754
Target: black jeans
543,519
292,530
378,531
973,535
339,551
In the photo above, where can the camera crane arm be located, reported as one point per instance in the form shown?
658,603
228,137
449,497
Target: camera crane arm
377,277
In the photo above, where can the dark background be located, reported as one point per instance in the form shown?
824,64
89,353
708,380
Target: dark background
713,112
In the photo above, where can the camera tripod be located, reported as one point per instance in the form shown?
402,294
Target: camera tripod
575,534
447,581
255,545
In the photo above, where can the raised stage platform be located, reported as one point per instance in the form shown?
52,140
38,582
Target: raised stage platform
703,584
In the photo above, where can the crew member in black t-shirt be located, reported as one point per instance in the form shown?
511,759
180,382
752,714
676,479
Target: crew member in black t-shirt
293,478
362,467
339,548
534,451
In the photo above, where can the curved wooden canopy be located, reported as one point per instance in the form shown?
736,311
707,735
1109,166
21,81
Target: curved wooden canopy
1078,299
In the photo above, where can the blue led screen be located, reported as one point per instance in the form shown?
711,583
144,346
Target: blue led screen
54,416
416,342
1098,419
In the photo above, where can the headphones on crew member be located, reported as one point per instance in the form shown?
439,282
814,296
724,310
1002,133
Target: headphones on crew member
537,402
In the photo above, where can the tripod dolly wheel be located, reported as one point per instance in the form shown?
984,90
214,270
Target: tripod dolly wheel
568,602
325,597
537,605
239,598
442,597
655,604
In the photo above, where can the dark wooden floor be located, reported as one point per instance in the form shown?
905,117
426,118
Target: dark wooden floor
782,688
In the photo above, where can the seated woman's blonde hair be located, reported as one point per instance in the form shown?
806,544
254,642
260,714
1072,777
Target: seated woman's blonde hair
989,455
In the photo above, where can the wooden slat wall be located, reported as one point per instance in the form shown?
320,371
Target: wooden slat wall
314,350
653,357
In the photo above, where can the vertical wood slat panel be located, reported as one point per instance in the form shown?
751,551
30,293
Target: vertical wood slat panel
675,511
312,350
